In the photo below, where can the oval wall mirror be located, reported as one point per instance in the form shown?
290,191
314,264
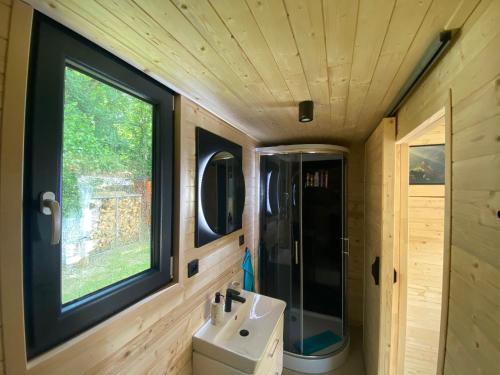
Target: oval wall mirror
220,187
221,192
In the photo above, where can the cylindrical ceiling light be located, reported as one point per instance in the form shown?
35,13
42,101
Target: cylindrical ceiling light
306,111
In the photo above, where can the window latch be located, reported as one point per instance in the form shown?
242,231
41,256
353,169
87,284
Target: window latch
50,207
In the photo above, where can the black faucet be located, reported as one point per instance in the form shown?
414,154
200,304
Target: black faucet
231,295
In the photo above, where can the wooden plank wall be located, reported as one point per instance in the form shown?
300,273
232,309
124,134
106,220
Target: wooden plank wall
5,12
373,209
379,237
471,70
425,269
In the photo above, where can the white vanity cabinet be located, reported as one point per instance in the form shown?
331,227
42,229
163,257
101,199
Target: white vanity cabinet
222,350
271,362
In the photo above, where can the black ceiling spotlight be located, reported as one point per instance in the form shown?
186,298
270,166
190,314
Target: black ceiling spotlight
306,111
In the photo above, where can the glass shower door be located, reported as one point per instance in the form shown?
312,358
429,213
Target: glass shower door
324,262
280,247
345,249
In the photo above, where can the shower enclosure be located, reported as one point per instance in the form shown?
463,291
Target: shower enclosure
304,249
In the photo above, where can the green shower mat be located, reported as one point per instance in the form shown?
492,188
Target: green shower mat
318,342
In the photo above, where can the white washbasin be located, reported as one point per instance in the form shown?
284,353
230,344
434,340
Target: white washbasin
259,315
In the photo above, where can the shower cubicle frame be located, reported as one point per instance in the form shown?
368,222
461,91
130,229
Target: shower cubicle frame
330,361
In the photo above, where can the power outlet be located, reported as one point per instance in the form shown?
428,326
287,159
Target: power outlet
242,240
193,268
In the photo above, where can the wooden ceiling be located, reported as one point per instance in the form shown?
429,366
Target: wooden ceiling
251,62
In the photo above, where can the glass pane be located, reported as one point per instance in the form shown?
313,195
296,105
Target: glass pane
323,260
106,185
280,239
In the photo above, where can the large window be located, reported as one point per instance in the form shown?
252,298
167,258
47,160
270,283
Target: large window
98,190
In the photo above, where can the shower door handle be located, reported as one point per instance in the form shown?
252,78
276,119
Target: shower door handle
347,246
296,252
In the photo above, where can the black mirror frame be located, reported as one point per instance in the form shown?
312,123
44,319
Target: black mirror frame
207,145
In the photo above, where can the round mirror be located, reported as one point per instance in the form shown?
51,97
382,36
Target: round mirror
223,193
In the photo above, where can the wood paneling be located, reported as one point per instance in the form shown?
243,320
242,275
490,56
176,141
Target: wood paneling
13,59
252,61
471,71
374,18
407,16
5,13
424,268
306,22
379,242
434,134
341,19
5,10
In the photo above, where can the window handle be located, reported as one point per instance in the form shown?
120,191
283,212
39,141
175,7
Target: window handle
50,207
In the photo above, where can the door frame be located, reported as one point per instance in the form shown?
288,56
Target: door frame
402,238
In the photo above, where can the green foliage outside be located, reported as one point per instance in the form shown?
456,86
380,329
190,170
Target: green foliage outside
107,132
103,269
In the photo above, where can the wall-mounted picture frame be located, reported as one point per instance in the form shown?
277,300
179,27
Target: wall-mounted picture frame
427,165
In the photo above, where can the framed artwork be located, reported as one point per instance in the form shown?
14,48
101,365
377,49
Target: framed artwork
427,165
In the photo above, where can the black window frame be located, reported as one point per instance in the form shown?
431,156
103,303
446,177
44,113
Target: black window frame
48,322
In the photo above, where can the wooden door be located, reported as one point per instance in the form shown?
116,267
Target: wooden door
379,243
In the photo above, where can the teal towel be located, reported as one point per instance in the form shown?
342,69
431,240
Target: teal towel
318,342
248,271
